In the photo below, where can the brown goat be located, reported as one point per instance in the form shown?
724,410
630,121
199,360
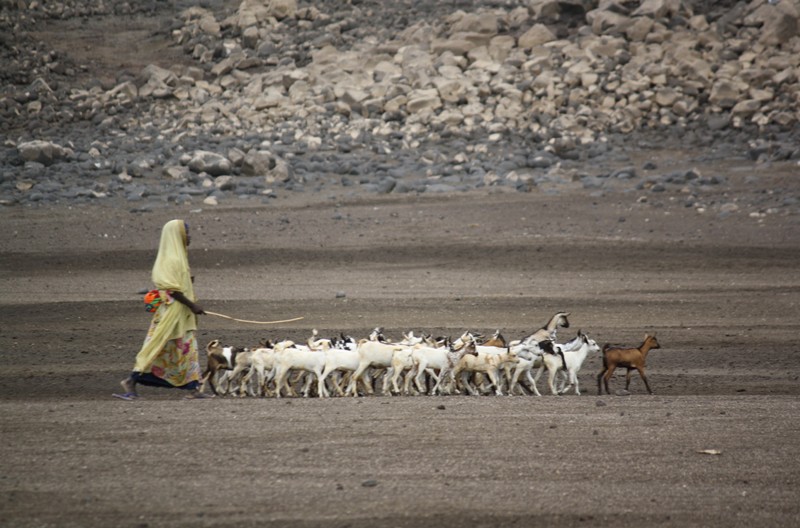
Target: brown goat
630,358
497,340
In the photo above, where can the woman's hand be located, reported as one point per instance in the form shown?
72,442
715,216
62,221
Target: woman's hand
194,307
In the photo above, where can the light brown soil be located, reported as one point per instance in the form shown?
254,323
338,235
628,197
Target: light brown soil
721,294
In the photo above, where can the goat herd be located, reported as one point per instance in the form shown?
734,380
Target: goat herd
426,365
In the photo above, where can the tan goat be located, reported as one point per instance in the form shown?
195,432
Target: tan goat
630,358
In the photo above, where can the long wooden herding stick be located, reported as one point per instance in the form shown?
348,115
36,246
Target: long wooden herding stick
252,322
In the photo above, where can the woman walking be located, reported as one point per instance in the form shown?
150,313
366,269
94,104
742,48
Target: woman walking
169,356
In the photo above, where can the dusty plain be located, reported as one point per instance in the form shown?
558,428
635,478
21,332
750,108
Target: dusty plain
721,291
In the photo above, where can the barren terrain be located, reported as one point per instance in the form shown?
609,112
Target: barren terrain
715,446
721,294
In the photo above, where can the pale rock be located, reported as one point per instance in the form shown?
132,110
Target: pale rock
354,99
210,200
204,18
757,77
605,22
225,183
281,9
224,67
457,45
386,71
746,107
210,162
416,63
450,90
126,91
451,72
780,22
787,76
280,172
699,24
659,34
724,93
209,25
250,37
325,55
178,173
639,29
473,109
480,22
44,152
460,43
517,17
603,46
34,107
509,109
255,12
500,47
162,75
683,108
299,92
236,156
537,35
666,97
761,96
257,163
784,119
693,69
395,104
660,8
273,98
425,100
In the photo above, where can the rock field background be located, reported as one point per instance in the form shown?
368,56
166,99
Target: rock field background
208,102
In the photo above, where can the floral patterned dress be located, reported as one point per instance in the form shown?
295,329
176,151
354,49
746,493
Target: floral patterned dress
178,362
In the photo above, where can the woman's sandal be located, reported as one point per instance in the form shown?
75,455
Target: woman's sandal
127,396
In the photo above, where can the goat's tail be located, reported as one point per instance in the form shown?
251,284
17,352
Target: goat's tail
603,356
563,359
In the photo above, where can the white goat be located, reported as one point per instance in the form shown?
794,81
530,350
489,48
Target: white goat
289,357
373,354
488,361
402,362
262,363
573,353
342,360
528,357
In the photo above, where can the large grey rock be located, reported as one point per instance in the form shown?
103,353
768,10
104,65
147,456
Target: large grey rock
258,163
210,162
44,152
779,21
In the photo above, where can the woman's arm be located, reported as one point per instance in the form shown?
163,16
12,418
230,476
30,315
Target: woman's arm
181,298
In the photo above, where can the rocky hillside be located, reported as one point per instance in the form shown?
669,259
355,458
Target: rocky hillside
386,96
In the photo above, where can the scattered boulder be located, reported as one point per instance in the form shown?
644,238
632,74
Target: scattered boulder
210,163
44,152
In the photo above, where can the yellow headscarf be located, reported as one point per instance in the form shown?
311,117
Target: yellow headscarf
170,272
